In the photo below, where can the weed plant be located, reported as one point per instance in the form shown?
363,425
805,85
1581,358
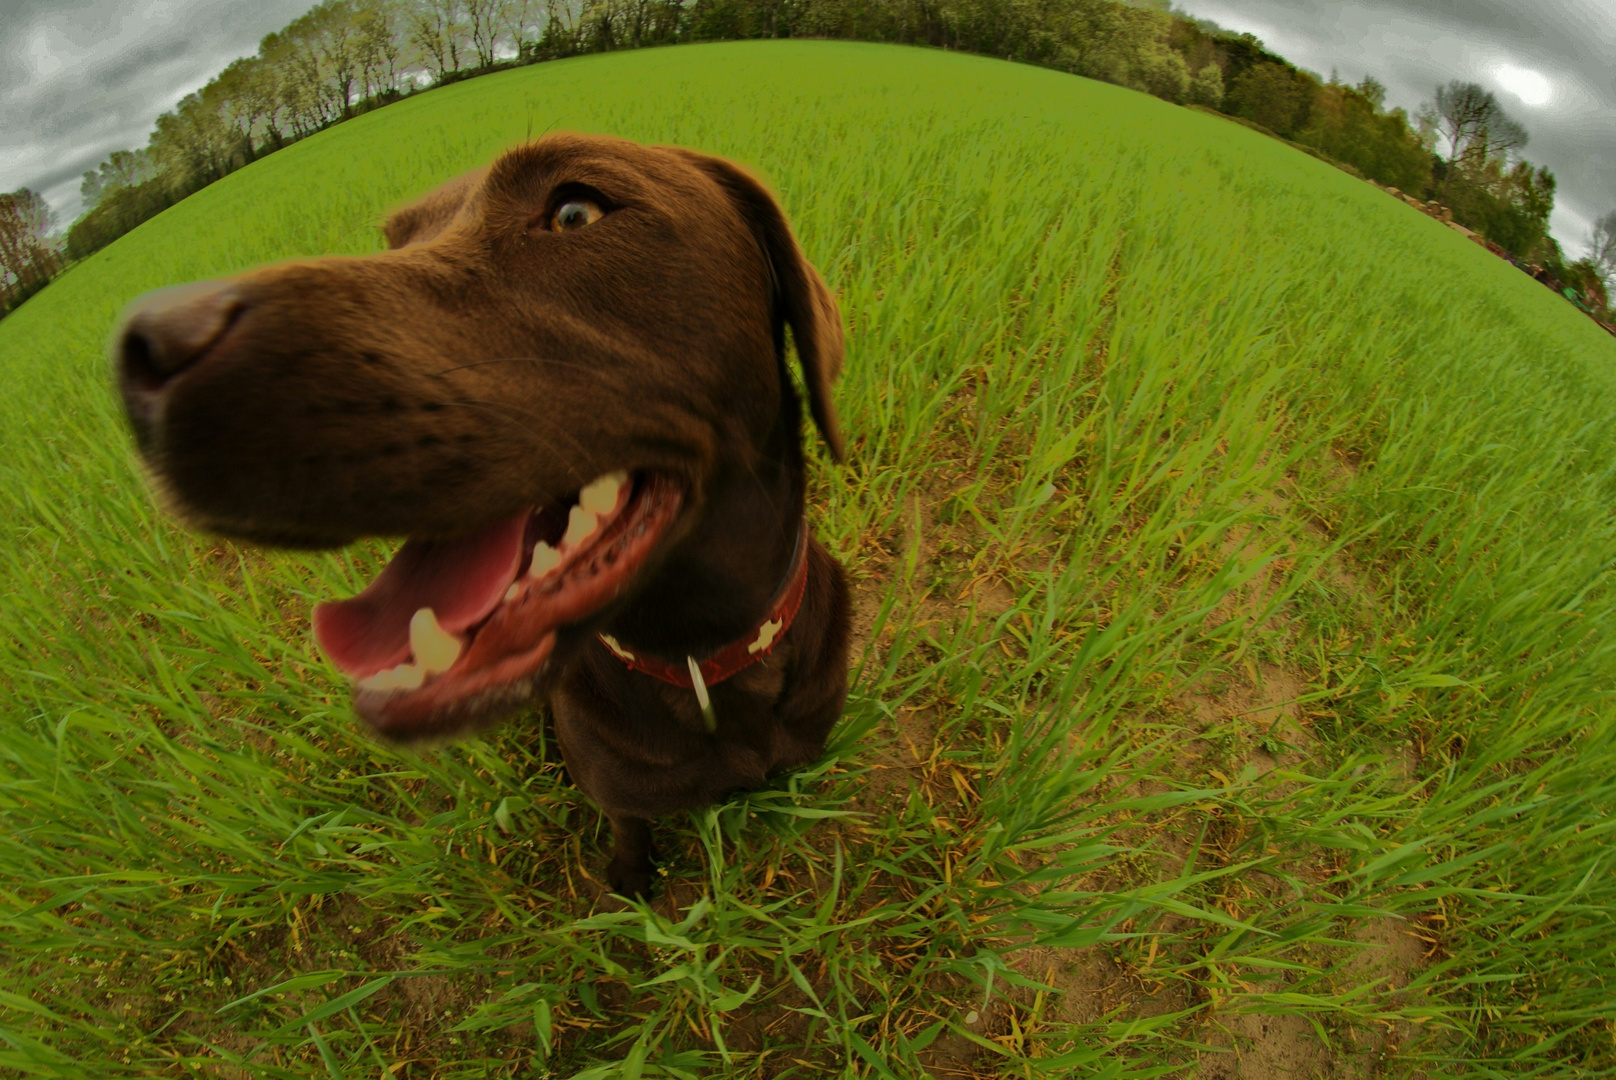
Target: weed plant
1234,647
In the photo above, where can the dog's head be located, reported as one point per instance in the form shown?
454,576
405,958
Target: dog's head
537,385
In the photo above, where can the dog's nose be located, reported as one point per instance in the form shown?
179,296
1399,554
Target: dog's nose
165,333
171,329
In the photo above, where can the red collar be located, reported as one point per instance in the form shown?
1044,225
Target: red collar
746,650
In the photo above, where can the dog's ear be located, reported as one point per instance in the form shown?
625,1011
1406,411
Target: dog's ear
805,301
427,216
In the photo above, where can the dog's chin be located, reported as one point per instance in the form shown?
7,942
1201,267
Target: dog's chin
267,536
455,634
195,515
456,704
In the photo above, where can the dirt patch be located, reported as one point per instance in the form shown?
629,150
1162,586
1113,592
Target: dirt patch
1278,1046
1263,1047
893,761
1256,721
1090,984
1397,950
869,592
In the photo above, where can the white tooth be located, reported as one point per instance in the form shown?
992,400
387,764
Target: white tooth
545,559
434,647
510,593
403,677
581,525
408,676
600,497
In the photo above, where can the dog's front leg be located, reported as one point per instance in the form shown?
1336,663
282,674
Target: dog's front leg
630,870
608,773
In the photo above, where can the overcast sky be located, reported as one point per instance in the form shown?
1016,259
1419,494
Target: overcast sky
81,78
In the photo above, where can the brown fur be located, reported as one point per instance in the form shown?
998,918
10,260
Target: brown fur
486,363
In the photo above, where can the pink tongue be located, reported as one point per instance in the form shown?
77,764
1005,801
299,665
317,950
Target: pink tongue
461,580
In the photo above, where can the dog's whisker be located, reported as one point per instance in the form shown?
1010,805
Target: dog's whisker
508,360
496,407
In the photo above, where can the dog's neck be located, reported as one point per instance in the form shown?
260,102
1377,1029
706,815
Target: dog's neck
719,581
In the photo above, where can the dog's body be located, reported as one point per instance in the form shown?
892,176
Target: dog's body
583,308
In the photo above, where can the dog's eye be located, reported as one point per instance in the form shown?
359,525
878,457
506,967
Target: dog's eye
575,214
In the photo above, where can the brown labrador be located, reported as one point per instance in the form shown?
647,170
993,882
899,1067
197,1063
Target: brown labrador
565,384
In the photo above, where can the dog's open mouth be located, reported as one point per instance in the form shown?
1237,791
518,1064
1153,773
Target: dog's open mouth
453,629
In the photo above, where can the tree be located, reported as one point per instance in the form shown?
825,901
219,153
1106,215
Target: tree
27,259
523,21
297,91
377,48
1165,74
123,168
335,36
1371,90
1120,44
562,29
1482,177
119,210
1510,206
1474,126
243,97
192,146
318,63
487,20
1207,86
438,28
1346,122
1602,247
1274,95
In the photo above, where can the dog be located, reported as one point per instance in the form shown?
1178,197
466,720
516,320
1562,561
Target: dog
565,384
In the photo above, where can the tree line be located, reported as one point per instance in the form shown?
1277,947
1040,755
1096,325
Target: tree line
344,57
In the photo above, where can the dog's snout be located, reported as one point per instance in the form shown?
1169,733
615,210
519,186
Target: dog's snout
170,330
167,332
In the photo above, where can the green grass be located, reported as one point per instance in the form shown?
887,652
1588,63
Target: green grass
1232,548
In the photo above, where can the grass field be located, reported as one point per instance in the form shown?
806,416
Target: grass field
1233,694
